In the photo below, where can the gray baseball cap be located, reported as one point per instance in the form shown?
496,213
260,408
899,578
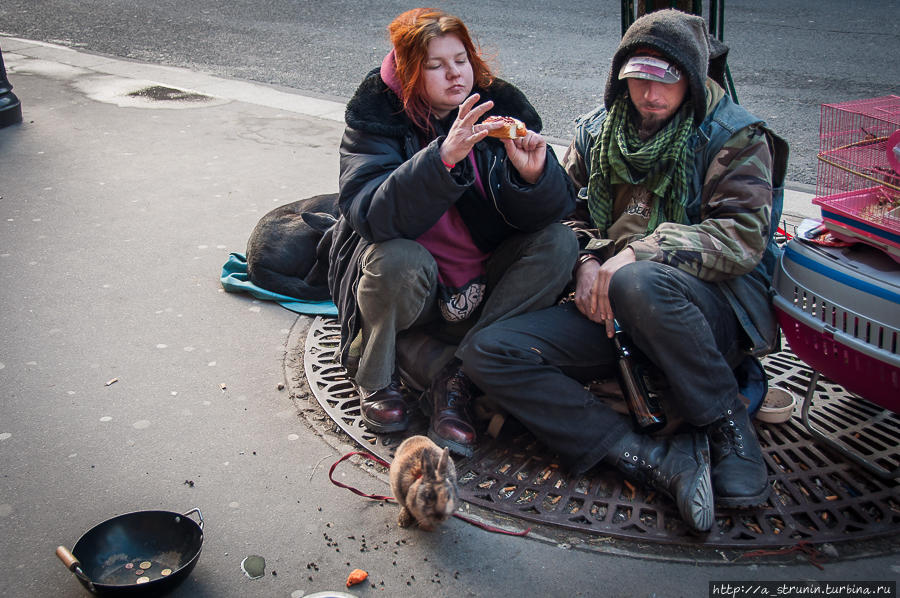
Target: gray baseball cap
650,67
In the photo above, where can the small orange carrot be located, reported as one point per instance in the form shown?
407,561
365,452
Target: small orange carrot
356,576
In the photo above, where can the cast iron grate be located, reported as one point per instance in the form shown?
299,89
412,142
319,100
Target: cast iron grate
818,496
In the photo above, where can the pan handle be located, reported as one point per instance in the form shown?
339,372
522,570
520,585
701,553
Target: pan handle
74,565
199,515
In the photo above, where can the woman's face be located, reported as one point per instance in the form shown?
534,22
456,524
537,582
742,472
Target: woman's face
448,74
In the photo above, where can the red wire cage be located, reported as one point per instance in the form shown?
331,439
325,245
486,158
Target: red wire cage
858,178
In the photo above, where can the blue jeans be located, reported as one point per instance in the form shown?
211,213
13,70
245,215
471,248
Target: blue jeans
535,366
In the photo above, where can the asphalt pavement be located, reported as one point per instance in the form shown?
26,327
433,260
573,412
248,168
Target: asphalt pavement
786,58
130,381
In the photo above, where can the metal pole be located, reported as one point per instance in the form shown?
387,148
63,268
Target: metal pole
713,20
721,19
627,14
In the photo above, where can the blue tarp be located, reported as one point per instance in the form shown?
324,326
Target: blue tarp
236,280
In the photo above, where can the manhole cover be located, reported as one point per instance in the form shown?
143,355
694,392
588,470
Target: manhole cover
818,496
161,93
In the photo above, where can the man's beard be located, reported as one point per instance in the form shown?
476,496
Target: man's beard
648,126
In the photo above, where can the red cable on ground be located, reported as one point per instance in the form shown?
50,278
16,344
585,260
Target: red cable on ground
803,546
351,488
483,526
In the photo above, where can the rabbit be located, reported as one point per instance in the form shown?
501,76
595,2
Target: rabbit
423,480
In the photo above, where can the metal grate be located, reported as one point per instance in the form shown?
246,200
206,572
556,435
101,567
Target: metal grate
818,496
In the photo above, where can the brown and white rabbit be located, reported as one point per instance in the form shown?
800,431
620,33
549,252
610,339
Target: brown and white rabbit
423,480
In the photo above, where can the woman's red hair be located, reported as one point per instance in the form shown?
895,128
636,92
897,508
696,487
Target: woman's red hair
410,33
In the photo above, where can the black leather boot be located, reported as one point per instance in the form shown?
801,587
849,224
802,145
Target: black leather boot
739,474
385,410
10,107
677,466
447,402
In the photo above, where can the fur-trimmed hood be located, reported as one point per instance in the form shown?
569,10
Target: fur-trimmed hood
376,109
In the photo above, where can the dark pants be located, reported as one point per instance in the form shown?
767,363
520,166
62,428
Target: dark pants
398,291
536,366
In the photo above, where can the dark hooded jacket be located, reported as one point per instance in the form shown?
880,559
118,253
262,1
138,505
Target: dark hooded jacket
391,186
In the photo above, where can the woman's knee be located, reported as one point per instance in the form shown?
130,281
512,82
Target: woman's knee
397,264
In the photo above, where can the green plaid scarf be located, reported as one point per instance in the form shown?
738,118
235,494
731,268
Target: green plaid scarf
661,164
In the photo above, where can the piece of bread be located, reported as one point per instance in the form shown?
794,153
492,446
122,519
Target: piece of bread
512,127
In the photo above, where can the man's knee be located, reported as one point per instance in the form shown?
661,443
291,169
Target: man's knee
480,353
477,351
633,289
557,241
493,353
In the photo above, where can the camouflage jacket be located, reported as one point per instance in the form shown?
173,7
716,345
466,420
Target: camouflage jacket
734,208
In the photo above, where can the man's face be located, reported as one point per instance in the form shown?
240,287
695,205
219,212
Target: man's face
656,102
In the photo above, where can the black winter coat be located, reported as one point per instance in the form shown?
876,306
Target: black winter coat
391,187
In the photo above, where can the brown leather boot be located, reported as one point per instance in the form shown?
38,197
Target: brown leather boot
447,402
385,410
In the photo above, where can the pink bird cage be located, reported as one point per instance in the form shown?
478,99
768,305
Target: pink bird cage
839,306
858,179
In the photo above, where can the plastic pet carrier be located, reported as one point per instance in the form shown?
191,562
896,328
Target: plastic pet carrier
839,309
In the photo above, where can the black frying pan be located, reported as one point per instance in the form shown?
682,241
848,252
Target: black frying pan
146,553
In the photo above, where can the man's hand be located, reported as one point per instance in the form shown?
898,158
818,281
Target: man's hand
592,288
527,155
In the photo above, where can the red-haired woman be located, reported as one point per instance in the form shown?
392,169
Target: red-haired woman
441,226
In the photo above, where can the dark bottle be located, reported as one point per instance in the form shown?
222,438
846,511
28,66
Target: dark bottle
646,412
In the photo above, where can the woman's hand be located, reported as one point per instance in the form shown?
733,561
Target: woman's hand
462,135
527,155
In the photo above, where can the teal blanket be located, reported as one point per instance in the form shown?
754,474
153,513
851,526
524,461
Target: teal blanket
236,280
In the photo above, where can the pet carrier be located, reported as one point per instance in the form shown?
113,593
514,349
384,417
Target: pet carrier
839,309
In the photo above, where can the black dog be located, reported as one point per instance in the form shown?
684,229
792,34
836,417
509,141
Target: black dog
287,251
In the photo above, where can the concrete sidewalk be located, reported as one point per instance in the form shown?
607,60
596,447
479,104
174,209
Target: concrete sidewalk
117,213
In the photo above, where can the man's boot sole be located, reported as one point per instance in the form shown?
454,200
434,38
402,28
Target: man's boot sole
700,512
745,502
385,428
455,447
